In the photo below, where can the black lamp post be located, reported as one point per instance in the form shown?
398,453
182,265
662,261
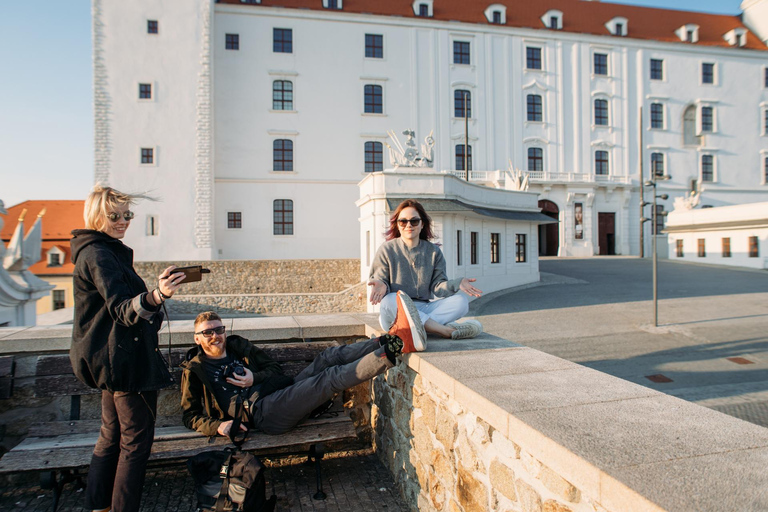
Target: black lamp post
652,183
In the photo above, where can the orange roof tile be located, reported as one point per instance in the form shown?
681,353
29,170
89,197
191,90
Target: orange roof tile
60,218
579,16
42,268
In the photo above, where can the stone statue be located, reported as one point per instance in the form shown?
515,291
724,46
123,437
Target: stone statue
409,156
688,201
516,179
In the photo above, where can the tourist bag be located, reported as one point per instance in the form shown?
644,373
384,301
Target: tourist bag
230,479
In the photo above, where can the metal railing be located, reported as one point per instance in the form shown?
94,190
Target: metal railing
542,176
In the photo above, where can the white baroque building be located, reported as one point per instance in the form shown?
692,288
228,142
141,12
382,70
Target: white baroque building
254,120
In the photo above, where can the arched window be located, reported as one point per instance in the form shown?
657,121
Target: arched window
460,96
460,158
282,155
690,138
535,159
373,99
282,95
534,107
374,157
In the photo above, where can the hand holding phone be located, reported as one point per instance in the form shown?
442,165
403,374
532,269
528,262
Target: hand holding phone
192,273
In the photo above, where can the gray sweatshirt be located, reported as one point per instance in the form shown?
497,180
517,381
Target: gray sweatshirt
419,272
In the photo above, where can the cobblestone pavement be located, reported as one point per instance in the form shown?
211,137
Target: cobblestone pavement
353,482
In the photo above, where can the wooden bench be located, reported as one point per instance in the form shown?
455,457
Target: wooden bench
61,450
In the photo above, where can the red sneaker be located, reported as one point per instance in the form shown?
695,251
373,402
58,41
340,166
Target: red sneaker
408,326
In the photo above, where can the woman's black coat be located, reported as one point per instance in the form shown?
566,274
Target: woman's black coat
114,338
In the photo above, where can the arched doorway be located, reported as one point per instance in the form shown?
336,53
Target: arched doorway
549,234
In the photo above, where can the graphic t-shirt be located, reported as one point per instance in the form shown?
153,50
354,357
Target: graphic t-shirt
222,390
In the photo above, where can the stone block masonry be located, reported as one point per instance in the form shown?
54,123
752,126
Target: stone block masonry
267,286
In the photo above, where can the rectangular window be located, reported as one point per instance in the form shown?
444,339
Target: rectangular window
151,26
54,260
282,40
152,227
534,107
532,57
460,52
707,73
765,170
601,64
679,248
462,103
458,247
59,301
765,121
495,247
657,115
283,217
497,17
282,155
765,77
601,163
601,112
145,91
707,119
282,95
374,156
707,168
702,248
726,247
553,22
619,30
520,250
657,69
374,46
424,10
334,4
147,156
535,159
754,251
659,219
374,99
657,164
460,158
234,220
473,236
232,41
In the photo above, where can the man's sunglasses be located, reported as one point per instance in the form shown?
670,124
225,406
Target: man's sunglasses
114,216
208,333
404,222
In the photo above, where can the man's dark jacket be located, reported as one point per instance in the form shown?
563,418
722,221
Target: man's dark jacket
114,338
201,411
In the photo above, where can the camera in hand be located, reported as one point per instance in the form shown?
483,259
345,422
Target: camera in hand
232,369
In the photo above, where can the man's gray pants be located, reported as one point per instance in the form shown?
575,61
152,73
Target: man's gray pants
333,371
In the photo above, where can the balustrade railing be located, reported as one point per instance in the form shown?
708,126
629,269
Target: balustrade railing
542,176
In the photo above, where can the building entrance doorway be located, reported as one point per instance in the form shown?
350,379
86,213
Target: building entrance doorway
549,234
606,232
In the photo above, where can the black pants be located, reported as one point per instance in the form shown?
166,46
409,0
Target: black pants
116,476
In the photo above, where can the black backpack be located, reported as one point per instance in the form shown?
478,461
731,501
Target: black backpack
230,479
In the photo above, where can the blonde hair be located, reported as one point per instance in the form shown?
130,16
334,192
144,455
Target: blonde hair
207,316
102,200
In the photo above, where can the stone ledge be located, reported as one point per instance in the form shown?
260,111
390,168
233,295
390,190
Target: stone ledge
627,446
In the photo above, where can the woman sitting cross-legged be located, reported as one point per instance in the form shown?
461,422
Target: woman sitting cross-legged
408,262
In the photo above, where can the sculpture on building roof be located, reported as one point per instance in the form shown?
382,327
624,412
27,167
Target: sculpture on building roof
409,156
689,201
516,179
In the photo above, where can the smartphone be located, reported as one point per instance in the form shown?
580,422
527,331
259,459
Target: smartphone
192,273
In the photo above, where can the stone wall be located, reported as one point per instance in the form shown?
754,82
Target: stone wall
267,286
445,458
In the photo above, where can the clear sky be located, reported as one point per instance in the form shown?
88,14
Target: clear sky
46,126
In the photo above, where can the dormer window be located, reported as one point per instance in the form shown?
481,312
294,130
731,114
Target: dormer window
688,33
423,8
618,26
55,257
332,4
553,19
736,37
496,14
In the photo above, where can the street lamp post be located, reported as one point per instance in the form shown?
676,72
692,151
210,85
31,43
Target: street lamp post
654,214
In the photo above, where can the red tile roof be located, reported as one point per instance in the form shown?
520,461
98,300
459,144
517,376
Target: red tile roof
579,16
60,218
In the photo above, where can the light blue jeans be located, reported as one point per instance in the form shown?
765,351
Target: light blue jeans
442,311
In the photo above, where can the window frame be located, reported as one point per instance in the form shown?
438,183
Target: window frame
458,247
459,53
599,163
282,44
495,240
726,247
707,159
457,156
708,75
148,156
58,299
701,248
536,159
657,116
153,27
372,95
282,223
369,149
474,237
232,42
753,244
234,220
657,164
534,57
277,101
656,69
679,248
376,50
601,113
458,103
285,153
521,251
152,226
597,67
710,118
145,91
534,108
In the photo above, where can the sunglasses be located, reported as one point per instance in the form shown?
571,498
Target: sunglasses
114,216
404,222
208,333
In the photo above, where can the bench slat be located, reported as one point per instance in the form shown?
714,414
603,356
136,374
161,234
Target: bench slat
176,444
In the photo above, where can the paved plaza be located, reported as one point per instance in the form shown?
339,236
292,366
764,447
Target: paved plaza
711,345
